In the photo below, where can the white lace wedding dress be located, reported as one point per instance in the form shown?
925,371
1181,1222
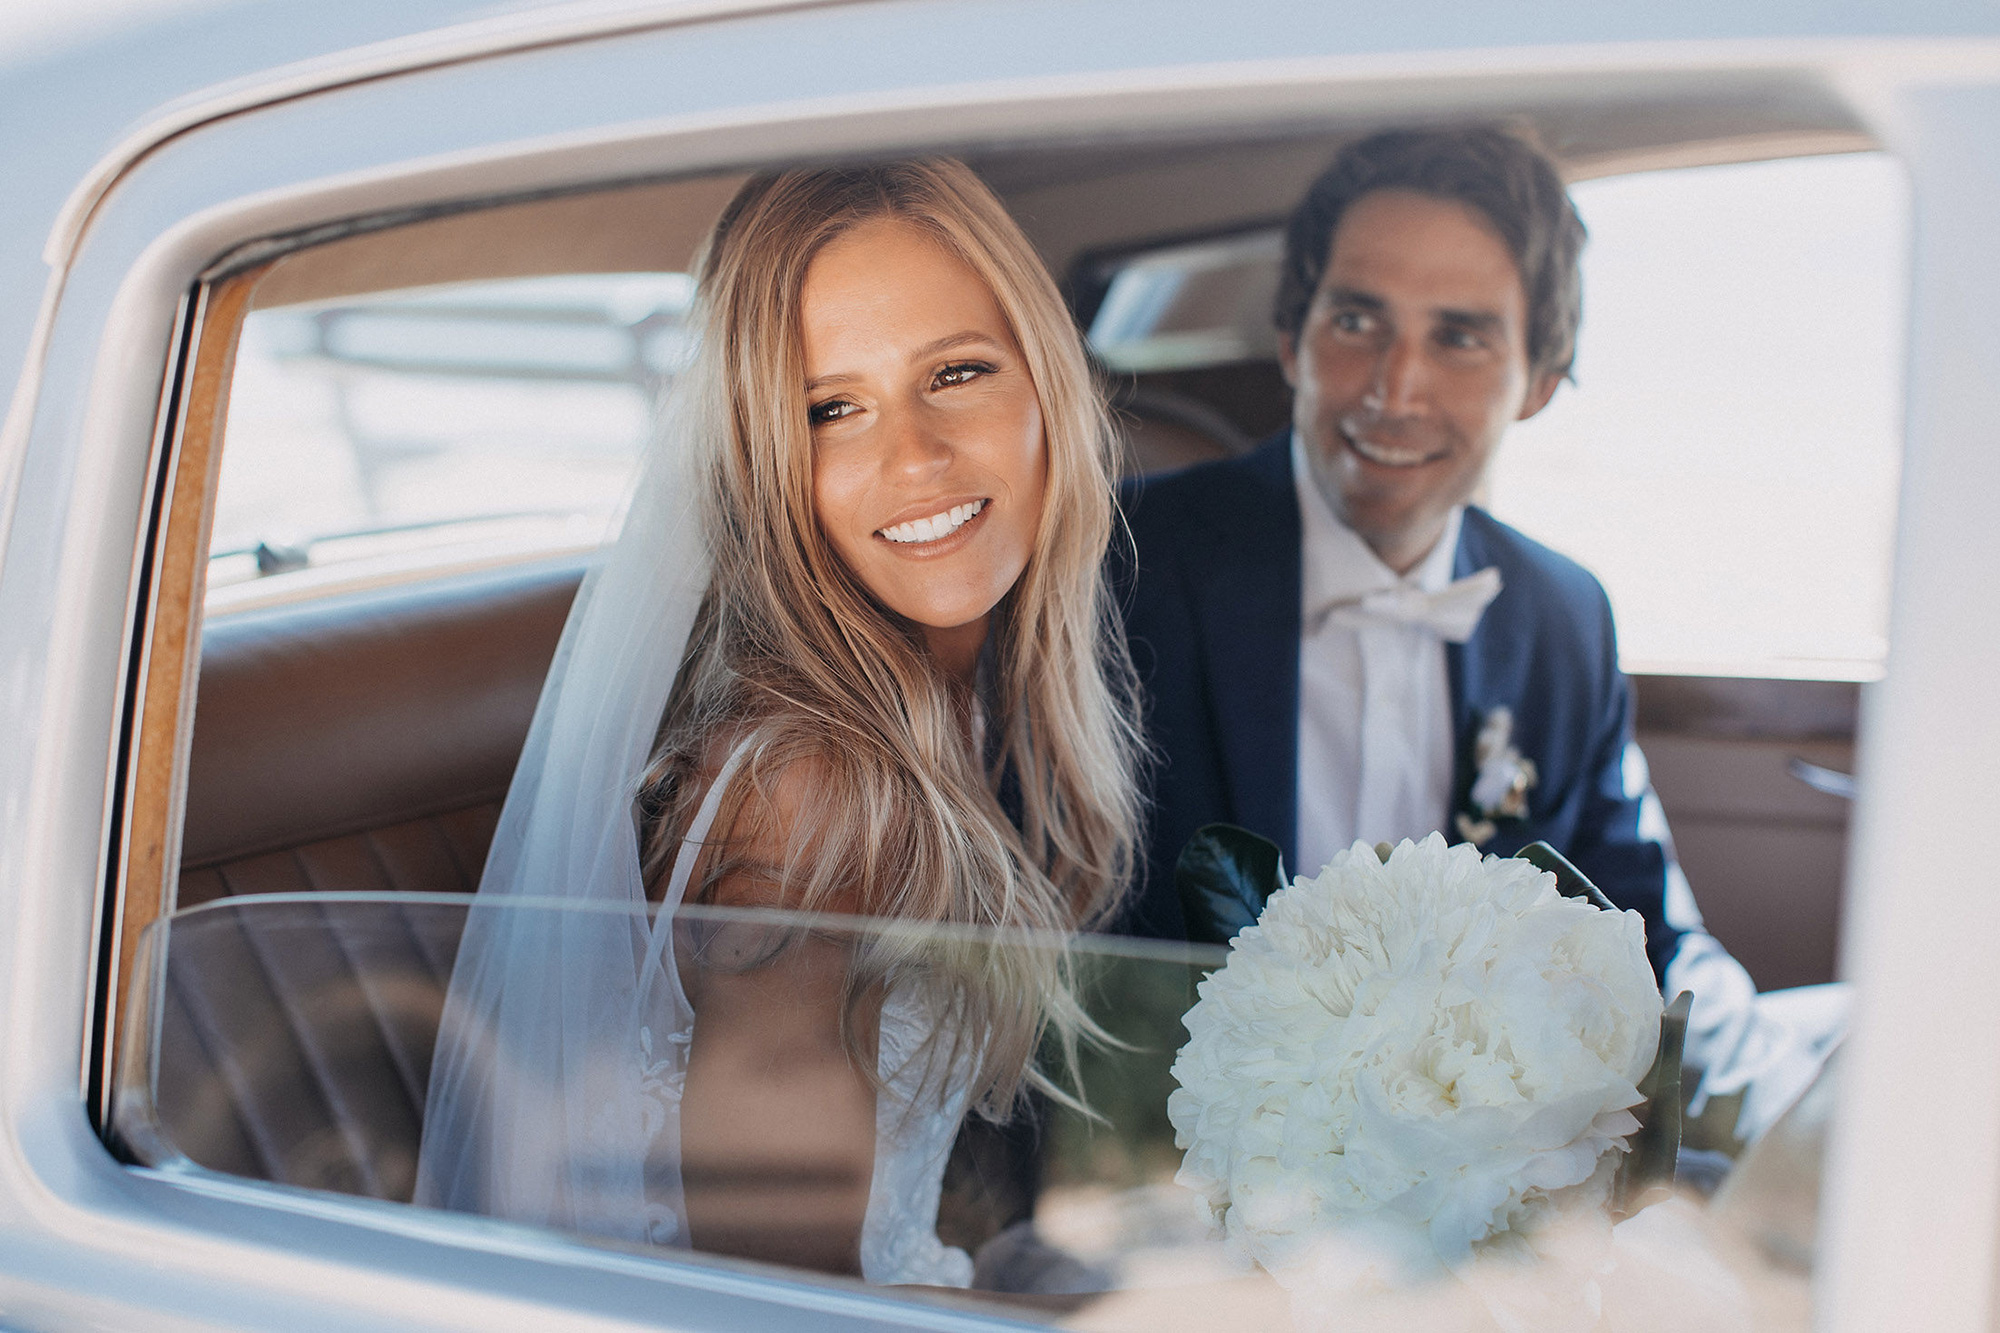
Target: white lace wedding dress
916,1121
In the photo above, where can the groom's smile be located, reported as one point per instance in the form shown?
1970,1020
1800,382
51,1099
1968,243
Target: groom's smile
1384,449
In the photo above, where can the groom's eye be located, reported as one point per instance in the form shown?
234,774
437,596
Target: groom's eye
1351,321
1456,336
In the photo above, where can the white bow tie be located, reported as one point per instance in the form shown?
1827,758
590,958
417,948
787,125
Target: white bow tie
1451,612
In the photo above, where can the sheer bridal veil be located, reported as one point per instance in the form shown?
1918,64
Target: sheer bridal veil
554,1094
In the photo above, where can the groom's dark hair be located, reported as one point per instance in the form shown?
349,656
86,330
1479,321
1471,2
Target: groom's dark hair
1508,181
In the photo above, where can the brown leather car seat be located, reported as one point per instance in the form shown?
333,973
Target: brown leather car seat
365,741
356,743
1164,431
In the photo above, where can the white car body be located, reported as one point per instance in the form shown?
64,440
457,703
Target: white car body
291,119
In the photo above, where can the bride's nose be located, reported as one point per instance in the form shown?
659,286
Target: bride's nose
914,442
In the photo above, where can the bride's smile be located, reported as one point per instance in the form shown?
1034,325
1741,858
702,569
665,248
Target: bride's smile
928,455
928,535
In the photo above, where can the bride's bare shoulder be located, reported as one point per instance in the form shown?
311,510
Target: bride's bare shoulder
775,841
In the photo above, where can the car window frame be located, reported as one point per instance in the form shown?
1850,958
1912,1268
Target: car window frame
128,298
150,787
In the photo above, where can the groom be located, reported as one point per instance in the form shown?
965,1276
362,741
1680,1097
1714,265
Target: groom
1335,643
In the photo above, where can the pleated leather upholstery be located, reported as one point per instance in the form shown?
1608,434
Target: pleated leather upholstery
357,744
433,854
296,1041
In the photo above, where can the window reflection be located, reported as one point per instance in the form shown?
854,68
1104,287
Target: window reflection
287,1038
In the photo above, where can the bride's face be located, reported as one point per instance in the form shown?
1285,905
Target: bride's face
928,458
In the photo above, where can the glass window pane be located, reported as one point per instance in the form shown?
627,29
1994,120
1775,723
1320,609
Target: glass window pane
290,1038
1727,460
413,431
1198,304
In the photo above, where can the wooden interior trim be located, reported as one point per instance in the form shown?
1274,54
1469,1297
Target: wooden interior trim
170,657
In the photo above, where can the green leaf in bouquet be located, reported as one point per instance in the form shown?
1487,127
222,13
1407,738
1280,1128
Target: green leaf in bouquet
1646,1176
1570,882
1224,876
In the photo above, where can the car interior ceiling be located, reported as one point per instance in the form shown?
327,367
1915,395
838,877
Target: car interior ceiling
365,741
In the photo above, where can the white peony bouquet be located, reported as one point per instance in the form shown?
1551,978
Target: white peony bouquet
1420,1060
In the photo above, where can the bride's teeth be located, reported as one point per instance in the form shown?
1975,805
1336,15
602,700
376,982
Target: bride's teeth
936,526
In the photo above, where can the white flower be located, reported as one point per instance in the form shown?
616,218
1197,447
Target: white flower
1423,1059
1501,781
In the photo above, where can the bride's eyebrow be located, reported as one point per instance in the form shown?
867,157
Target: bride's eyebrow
950,342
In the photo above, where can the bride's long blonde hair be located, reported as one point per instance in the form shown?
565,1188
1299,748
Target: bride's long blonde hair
791,655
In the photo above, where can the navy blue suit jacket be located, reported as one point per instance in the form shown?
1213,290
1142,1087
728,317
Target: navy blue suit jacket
1212,614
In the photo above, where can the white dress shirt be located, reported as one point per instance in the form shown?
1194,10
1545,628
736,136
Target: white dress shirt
1375,730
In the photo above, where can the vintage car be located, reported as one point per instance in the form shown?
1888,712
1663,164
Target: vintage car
348,344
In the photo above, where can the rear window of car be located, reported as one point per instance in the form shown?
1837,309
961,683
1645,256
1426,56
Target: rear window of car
414,432
1728,457
1726,461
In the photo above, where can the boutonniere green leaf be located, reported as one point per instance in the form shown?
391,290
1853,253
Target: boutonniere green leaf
1224,876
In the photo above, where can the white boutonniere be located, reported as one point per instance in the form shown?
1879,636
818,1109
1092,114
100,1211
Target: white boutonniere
1502,779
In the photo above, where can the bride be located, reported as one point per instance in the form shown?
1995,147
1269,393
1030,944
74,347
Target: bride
852,654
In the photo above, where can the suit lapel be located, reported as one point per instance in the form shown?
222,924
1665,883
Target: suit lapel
1465,671
1244,577
1489,669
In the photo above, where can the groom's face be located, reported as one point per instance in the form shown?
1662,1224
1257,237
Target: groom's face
1411,364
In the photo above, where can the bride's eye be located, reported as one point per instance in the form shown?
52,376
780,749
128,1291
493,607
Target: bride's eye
831,410
960,372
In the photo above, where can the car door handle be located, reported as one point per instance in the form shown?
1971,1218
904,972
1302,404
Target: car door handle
1829,780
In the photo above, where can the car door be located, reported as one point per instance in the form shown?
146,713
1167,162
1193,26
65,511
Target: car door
112,454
